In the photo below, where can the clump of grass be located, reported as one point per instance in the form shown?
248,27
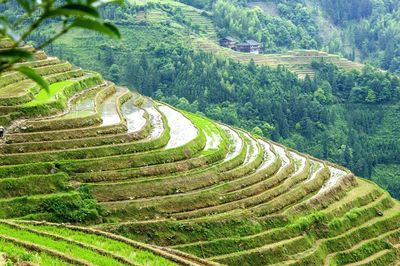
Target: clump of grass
45,96
17,253
141,257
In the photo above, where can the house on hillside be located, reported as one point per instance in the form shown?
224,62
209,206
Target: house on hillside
249,46
2,132
228,42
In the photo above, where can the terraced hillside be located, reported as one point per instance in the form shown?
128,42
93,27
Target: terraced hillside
176,180
197,20
297,61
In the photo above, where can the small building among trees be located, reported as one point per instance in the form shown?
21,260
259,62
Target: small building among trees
228,42
249,46
2,132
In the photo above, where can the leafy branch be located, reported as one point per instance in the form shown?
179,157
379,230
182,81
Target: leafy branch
73,14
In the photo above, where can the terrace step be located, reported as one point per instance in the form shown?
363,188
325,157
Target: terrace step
189,257
289,192
71,242
367,195
64,135
225,175
9,78
308,186
24,91
33,205
221,246
266,254
109,109
295,61
152,186
309,256
52,103
186,169
66,119
189,195
156,119
233,196
32,185
95,244
119,245
377,258
360,245
136,117
136,133
34,247
182,130
15,252
41,63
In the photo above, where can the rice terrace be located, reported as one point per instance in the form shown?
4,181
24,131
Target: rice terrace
96,173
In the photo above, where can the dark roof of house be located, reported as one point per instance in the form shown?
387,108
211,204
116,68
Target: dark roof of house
229,38
252,42
249,43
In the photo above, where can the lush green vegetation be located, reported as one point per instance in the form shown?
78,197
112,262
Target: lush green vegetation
332,117
141,169
184,181
45,96
363,30
387,175
373,27
51,244
295,29
21,20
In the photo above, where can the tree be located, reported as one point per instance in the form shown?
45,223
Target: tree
319,95
257,131
371,97
108,55
72,14
252,66
324,93
357,94
115,72
268,129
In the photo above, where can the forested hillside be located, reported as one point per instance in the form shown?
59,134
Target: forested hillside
332,115
373,27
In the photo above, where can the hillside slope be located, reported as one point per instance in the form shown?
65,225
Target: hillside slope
297,61
160,53
92,153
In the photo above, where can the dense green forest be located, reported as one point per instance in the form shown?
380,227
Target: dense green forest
295,29
347,117
374,27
